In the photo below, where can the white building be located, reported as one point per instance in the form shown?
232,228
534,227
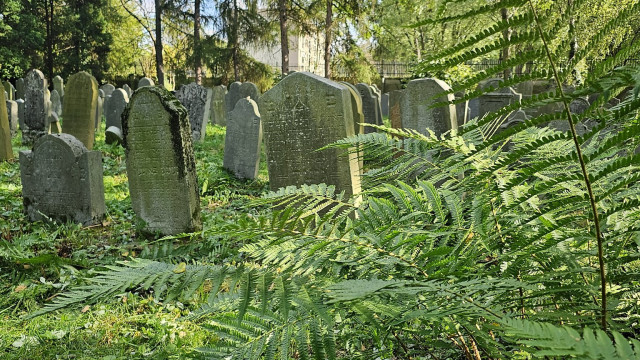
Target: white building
306,53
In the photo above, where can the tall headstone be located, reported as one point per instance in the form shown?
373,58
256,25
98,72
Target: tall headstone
12,114
114,108
145,81
6,151
20,88
197,100
417,113
127,88
99,110
56,102
395,108
21,123
377,96
217,105
384,104
243,139
62,180
108,89
35,109
11,91
356,106
369,107
462,109
160,163
80,104
58,85
301,114
239,91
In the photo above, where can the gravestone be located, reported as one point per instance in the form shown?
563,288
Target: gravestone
243,139
145,81
53,121
108,89
356,106
12,114
6,151
197,100
35,107
11,91
416,113
217,105
239,91
160,163
80,104
62,180
377,95
114,108
99,110
20,88
384,104
56,103
462,109
127,88
395,108
58,85
301,114
113,135
369,107
526,89
496,100
577,106
21,123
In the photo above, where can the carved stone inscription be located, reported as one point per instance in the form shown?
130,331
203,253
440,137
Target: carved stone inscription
160,162
302,114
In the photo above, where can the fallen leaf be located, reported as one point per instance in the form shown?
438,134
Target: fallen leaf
20,288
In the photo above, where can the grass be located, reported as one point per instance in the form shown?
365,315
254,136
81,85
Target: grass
39,260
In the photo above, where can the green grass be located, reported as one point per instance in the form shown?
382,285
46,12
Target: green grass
39,260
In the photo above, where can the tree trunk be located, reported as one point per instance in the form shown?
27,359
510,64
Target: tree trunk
234,42
284,36
159,59
506,34
197,50
48,10
327,39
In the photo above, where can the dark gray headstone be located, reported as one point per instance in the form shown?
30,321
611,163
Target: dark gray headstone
62,180
12,114
369,107
301,114
21,123
56,102
115,107
384,103
145,81
494,101
80,103
113,135
197,100
108,89
239,91
161,167
20,88
417,113
217,105
35,110
243,139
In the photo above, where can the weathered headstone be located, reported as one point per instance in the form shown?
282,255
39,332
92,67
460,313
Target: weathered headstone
384,103
301,114
115,107
99,110
197,100
395,108
239,91
377,95
145,81
356,106
6,151
160,163
462,109
369,107
417,113
11,91
56,103
243,139
58,85
35,110
21,123
496,100
127,88
80,104
62,180
108,89
113,135
12,114
20,88
217,105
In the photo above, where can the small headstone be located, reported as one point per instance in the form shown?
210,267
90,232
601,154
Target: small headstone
525,88
369,107
108,89
6,151
395,108
21,123
35,110
62,180
301,114
56,103
197,100
243,139
579,106
114,108
384,103
80,103
11,91
217,105
239,91
99,110
417,113
160,163
127,88
145,81
20,88
58,85
12,114
113,135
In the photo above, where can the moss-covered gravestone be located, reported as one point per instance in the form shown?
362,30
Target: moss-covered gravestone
243,139
160,163
197,100
6,152
80,102
35,107
62,180
416,110
301,114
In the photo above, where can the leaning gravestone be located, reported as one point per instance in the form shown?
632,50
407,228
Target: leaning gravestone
160,163
239,91
114,108
58,85
197,100
11,91
242,140
127,88
369,107
56,103
145,81
20,88
417,113
395,107
35,110
12,114
217,105
62,180
80,105
6,151
301,114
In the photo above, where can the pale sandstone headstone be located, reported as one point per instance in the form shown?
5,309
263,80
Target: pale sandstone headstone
114,108
462,109
80,103
239,91
301,114
58,85
62,180
145,81
356,106
6,151
197,100
127,88
12,114
35,110
369,107
243,139
160,163
417,113
20,88
217,105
